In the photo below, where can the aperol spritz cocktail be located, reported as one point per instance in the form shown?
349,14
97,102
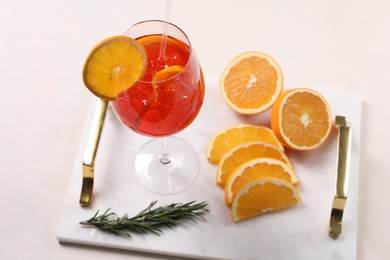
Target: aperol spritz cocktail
164,101
169,95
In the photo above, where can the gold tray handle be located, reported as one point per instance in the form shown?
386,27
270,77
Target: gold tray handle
90,152
342,176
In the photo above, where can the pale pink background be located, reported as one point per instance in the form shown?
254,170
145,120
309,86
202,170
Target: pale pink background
343,45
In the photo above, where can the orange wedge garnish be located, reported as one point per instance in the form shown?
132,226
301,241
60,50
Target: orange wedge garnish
166,73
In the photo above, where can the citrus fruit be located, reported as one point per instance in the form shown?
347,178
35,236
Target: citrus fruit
245,152
253,170
160,77
301,119
114,65
251,82
235,135
166,73
155,39
262,196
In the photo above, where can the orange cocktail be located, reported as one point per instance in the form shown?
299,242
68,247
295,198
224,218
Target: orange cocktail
162,102
169,95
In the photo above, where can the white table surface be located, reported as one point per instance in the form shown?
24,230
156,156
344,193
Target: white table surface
43,104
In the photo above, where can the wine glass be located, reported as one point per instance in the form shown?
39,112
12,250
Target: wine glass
163,102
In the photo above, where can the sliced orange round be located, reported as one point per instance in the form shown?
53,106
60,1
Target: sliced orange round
251,82
301,119
262,196
254,170
235,135
246,152
114,65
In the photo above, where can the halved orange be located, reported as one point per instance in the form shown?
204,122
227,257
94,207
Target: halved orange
301,119
243,153
232,136
253,170
262,196
251,82
113,66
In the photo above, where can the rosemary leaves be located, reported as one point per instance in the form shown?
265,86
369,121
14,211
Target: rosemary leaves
149,220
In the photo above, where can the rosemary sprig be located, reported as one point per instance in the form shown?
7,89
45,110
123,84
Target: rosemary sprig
148,220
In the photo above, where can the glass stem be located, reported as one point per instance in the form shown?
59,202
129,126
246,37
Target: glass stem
165,157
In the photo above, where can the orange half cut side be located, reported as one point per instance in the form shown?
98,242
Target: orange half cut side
251,82
301,119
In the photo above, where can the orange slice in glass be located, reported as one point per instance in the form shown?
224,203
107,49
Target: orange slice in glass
162,79
166,73
301,119
114,65
251,82
262,196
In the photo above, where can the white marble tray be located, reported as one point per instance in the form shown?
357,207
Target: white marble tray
297,233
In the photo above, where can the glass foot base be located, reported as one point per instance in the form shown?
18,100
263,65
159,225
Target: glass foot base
167,175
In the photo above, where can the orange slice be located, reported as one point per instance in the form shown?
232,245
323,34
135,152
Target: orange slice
162,77
154,39
262,196
114,65
246,152
235,135
251,82
301,119
166,73
254,170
